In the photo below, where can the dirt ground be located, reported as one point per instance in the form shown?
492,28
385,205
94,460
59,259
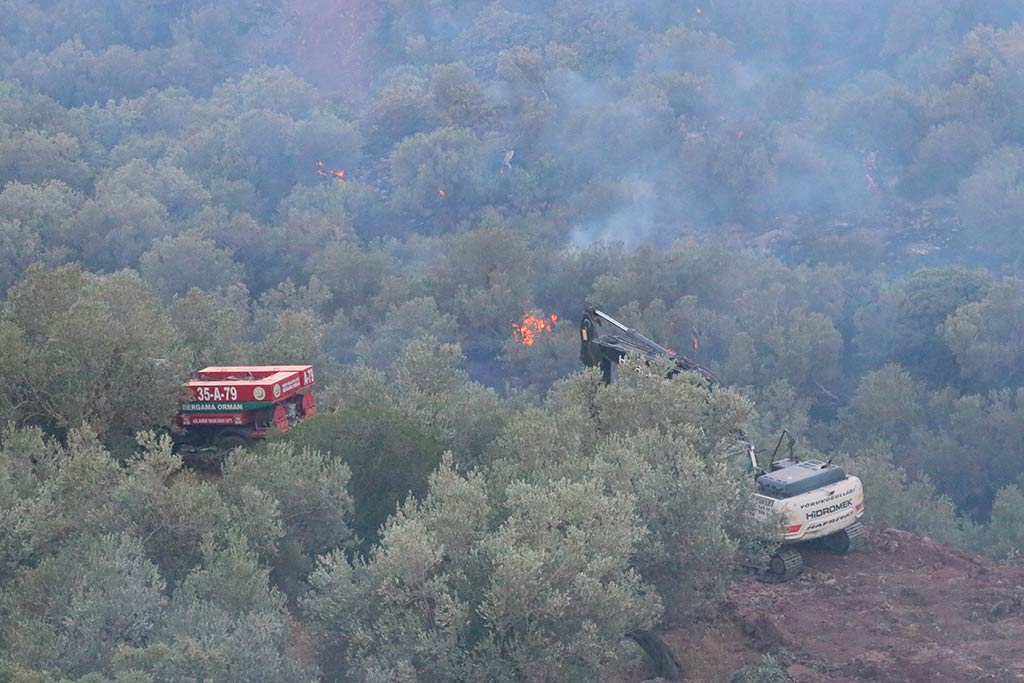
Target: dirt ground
904,610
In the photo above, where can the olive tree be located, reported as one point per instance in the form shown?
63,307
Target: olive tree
399,612
224,622
73,608
986,336
563,594
88,348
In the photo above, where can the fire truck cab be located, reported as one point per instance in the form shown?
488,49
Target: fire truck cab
230,406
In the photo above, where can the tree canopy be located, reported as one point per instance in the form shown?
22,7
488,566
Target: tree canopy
820,202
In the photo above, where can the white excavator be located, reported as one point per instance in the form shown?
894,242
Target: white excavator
815,501
812,500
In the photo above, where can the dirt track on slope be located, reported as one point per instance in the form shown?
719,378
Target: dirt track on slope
904,610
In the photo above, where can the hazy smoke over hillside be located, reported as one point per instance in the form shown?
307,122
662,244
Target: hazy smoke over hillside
644,121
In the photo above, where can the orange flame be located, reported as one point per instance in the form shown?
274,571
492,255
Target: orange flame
526,332
325,173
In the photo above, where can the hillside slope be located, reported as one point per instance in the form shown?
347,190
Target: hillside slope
905,610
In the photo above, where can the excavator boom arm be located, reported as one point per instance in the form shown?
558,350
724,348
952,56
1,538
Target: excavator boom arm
600,348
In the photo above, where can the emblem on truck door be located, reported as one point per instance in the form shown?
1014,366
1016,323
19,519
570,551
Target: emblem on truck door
259,393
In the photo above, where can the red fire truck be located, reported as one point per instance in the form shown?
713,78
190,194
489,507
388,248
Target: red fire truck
233,406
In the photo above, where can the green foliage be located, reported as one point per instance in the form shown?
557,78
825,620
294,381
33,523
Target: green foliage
400,108
294,337
174,510
450,596
764,182
779,406
986,336
768,670
536,367
54,494
35,156
412,319
181,195
904,324
464,416
86,348
947,154
562,592
307,492
1003,539
15,673
352,275
895,500
126,570
77,605
458,98
274,89
643,399
937,432
886,407
401,609
177,264
389,456
696,512
448,160
311,490
32,218
640,439
117,227
210,326
801,348
542,444
224,622
981,430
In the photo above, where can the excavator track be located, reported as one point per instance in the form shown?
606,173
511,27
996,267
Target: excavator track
785,565
849,540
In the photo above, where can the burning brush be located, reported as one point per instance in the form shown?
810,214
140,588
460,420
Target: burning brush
325,172
526,331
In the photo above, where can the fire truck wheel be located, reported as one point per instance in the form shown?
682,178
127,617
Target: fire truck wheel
231,439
